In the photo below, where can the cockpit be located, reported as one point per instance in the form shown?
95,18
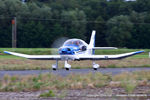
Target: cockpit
72,46
75,42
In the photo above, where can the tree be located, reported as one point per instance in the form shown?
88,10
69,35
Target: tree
74,23
100,27
141,6
119,28
141,30
116,22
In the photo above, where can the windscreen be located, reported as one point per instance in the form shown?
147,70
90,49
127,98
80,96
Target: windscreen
73,42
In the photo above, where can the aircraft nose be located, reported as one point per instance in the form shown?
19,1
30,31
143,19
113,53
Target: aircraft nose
66,51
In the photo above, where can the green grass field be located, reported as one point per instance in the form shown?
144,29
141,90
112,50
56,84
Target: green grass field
127,81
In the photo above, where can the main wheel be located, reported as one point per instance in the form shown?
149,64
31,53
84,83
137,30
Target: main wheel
54,68
67,68
95,68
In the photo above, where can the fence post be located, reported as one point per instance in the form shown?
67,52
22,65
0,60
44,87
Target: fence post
14,32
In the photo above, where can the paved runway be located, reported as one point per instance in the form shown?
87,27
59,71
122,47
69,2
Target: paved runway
63,72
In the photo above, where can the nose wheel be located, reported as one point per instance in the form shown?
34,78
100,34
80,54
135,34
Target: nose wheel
67,66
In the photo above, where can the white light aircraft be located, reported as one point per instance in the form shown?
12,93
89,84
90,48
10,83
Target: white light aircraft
76,49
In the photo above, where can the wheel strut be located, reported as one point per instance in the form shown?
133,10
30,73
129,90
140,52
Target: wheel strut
55,66
67,66
95,66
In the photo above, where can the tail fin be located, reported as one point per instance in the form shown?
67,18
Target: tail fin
92,43
91,46
92,40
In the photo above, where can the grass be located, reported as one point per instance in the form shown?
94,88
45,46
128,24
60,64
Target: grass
50,93
25,64
52,82
127,81
129,86
37,51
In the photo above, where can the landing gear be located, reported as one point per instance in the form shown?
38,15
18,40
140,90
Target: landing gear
67,66
95,66
55,66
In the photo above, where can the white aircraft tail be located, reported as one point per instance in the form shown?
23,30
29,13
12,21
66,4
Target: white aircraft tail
92,43
92,40
91,46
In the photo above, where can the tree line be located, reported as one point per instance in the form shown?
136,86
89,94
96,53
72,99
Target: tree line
40,22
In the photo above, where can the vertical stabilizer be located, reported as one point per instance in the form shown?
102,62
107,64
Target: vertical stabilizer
92,43
92,40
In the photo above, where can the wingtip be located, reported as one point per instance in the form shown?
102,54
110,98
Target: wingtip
142,51
139,52
6,52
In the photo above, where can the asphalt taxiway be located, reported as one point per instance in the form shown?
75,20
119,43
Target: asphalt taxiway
63,72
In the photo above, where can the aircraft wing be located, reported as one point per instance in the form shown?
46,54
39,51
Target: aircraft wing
35,57
104,48
80,57
108,57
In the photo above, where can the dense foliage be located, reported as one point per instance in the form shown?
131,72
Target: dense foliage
40,22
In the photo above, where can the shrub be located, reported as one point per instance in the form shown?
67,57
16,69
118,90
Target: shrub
129,86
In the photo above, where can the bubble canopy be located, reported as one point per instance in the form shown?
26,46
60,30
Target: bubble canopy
75,42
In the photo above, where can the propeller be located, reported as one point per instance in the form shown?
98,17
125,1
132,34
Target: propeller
56,44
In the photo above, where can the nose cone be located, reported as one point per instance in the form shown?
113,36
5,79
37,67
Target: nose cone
66,51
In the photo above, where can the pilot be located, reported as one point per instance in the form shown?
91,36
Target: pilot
72,42
77,43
